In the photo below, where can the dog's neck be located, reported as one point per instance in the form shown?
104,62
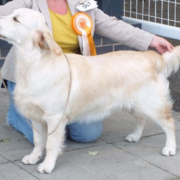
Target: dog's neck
26,52
30,62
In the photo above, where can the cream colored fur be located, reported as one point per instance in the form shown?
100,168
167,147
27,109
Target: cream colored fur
131,80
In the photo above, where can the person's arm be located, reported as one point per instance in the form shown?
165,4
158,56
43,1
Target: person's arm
9,7
126,34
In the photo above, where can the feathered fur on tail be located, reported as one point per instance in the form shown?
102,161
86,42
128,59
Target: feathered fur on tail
172,61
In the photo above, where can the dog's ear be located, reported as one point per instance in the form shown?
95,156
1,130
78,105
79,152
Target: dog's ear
45,40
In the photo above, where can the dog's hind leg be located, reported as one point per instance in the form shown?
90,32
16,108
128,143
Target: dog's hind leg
137,133
154,102
170,147
39,144
54,145
167,124
165,121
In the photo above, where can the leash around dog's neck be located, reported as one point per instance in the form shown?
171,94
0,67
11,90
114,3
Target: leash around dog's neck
67,100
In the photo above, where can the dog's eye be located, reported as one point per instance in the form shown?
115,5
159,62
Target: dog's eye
15,19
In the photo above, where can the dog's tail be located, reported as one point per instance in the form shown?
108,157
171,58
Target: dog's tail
171,61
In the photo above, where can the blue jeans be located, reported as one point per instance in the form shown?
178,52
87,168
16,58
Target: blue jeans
80,132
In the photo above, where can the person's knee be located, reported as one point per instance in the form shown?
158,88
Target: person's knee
85,132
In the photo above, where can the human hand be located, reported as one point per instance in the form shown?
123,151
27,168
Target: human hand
161,44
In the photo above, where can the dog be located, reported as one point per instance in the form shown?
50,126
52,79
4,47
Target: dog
97,85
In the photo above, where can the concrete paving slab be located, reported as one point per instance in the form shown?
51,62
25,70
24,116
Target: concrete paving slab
120,125
65,170
176,115
71,145
18,146
16,140
17,153
111,163
3,116
3,160
149,149
4,101
10,171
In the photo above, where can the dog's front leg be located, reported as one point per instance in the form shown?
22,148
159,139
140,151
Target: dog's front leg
39,143
54,145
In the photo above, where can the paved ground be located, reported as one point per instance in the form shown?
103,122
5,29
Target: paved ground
117,159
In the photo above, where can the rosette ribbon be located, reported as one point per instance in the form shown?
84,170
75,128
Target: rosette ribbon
82,25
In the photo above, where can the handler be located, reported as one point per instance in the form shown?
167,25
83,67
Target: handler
58,15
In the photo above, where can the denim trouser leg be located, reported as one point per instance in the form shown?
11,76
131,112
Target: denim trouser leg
80,132
15,119
85,132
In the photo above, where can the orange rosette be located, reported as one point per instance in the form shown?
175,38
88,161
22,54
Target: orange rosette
82,25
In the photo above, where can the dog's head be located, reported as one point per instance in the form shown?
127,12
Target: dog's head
27,26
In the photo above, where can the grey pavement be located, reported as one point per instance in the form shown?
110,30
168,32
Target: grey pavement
117,159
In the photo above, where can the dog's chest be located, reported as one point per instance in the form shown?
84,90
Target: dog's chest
28,105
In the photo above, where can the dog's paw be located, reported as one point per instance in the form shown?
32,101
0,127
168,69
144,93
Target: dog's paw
29,159
133,137
169,151
45,168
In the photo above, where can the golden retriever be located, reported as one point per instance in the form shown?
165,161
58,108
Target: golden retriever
136,81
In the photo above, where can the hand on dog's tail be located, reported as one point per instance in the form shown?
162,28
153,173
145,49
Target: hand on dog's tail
171,61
